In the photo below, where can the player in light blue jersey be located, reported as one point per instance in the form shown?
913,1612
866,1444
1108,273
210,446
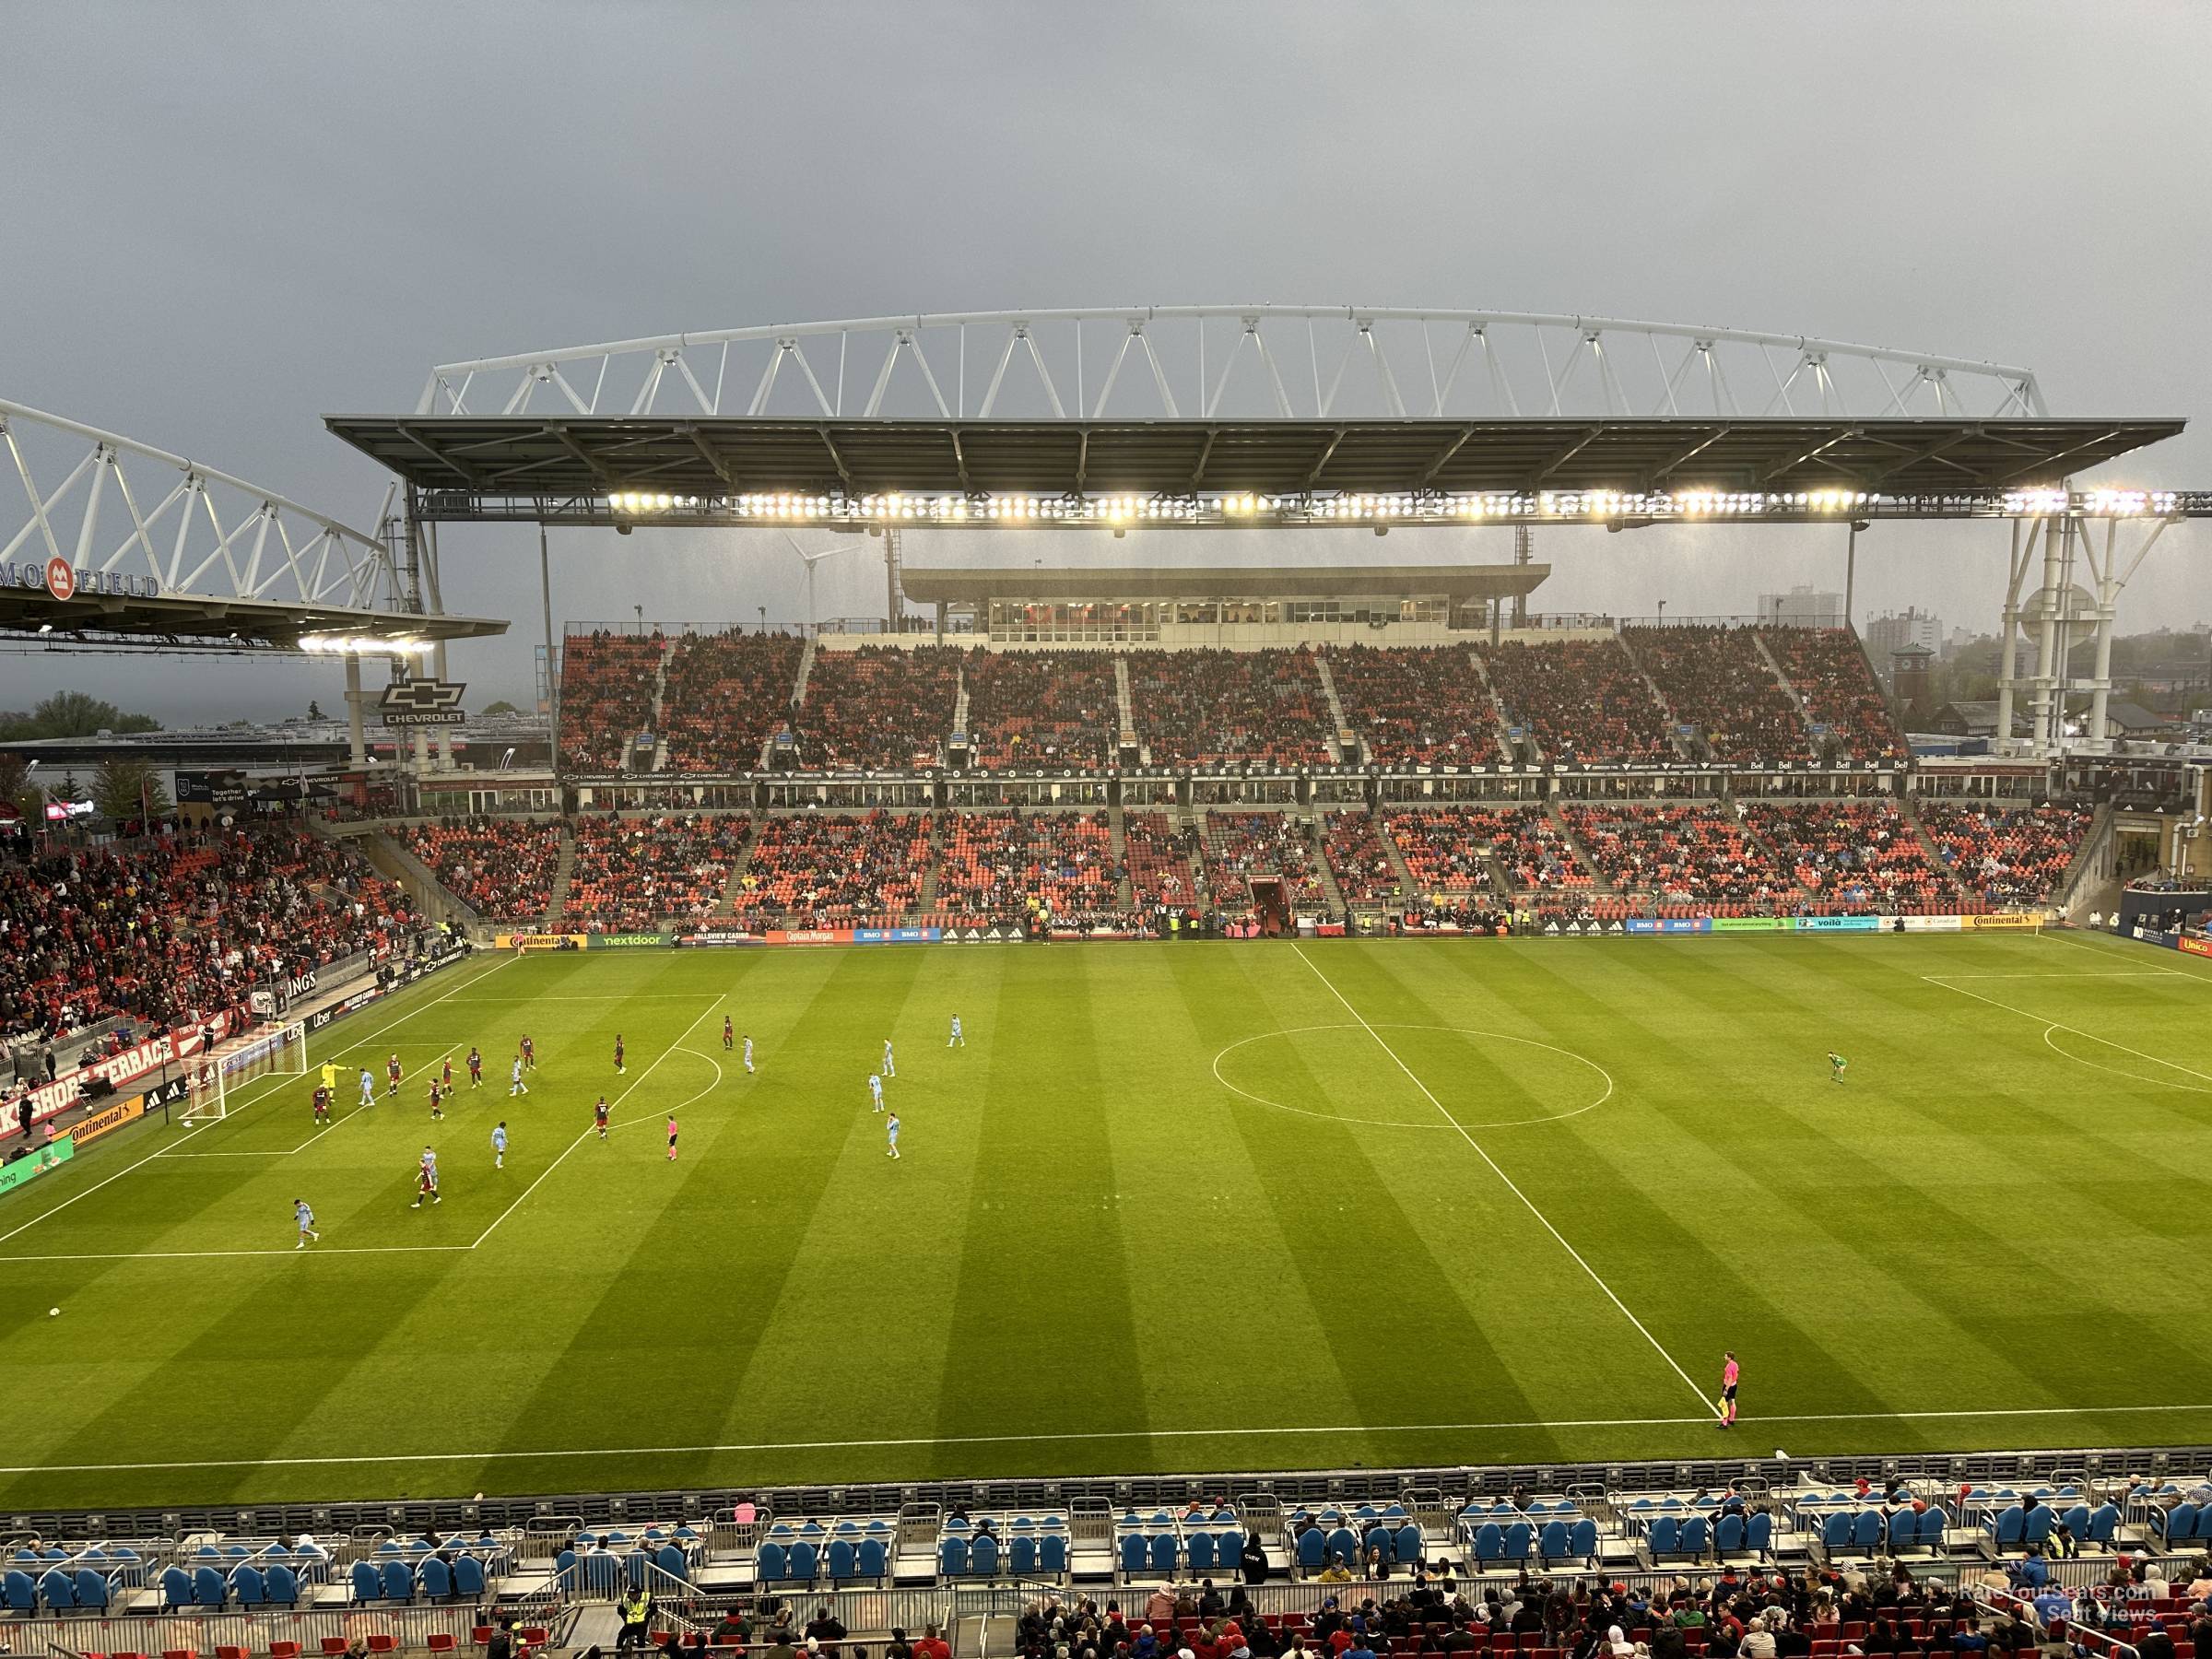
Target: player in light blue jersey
498,1146
306,1218
890,1067
367,1087
748,1056
958,1036
876,1088
891,1128
426,1180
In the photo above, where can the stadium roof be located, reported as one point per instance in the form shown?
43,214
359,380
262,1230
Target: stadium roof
506,456
219,621
1461,583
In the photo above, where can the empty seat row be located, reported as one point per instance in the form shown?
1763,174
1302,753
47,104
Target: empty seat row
1557,1541
1165,1552
599,1572
803,1561
2183,1523
1021,1556
403,1580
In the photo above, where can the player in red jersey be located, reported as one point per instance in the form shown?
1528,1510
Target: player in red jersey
322,1107
391,1076
529,1054
445,1075
618,1050
476,1068
437,1100
599,1117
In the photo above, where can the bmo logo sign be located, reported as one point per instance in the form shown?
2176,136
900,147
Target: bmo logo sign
65,580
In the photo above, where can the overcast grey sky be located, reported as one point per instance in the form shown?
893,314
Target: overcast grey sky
221,221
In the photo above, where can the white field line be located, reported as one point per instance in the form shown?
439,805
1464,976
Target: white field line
1543,1220
162,1151
588,1130
2098,950
1046,1438
315,1138
2050,1025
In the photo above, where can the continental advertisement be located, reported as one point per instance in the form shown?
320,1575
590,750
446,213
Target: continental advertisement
107,1119
35,1164
2007,920
539,941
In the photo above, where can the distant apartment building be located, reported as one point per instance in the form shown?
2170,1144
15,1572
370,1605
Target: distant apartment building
1894,631
1802,606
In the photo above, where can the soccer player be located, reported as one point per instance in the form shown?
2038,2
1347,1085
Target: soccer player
1836,1063
876,1088
748,1056
672,1137
498,1146
618,1052
1728,1376
426,1180
958,1036
891,1128
599,1117
476,1068
437,1100
515,1086
306,1218
391,1076
367,1087
323,1104
445,1076
330,1078
529,1053
891,1068
729,1033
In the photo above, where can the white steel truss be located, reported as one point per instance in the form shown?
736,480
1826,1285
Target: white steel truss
136,522
1234,362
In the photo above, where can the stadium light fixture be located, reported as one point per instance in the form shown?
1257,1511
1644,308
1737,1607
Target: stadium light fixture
366,644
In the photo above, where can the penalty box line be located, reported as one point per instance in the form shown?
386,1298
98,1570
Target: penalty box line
2050,1025
1542,1219
1048,1437
392,1025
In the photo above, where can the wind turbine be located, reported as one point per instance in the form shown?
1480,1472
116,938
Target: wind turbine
810,560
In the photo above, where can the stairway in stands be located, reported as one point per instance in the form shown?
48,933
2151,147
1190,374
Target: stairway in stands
660,700
1581,854
1332,895
1674,721
556,905
1498,735
1346,739
1124,703
798,685
1117,850
2081,867
734,889
1399,867
1805,711
960,712
1934,854
927,901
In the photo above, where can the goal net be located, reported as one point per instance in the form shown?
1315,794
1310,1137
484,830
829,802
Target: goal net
216,1076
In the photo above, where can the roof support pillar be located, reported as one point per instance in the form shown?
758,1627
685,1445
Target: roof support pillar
357,739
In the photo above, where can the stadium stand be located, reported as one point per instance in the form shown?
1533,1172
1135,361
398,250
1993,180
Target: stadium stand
1828,669
182,927
607,690
2007,856
724,695
1461,851
1211,708
880,707
999,864
826,869
503,868
1716,679
1159,860
1581,699
1238,845
1675,855
1421,706
1858,856
1358,859
1055,709
632,874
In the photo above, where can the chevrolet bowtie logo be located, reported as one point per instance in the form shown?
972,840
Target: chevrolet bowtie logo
422,696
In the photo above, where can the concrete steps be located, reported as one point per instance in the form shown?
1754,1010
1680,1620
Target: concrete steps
1581,854
1347,740
734,889
2078,885
1330,891
1117,849
1934,853
1398,866
1804,712
558,903
798,684
1497,722
1674,737
1124,703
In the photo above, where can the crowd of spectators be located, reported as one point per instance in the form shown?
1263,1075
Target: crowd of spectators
181,928
1454,850
632,874
1581,699
503,868
834,870
724,696
1042,708
1679,855
1716,679
1859,855
880,708
1359,860
607,685
1829,671
1159,859
1205,707
1049,866
2007,856
1416,705
1237,846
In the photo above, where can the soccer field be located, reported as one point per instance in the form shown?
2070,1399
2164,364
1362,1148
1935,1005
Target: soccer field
1174,1207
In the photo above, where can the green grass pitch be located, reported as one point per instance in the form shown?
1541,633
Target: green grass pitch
1174,1207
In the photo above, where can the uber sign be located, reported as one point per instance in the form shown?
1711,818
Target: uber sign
422,702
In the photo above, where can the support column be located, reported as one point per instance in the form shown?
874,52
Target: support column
544,593
2046,642
2008,652
894,599
445,733
357,739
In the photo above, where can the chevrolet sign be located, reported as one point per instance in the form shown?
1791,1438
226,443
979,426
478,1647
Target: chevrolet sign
422,702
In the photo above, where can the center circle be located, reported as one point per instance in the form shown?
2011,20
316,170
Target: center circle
1479,1079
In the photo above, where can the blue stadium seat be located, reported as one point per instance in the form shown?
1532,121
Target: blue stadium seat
1489,1542
1163,1553
2176,1525
805,1561
1728,1536
1052,1555
1696,1533
20,1591
983,1556
248,1586
1932,1520
1201,1547
1379,1537
57,1589
952,1555
1552,1543
1665,1536
437,1579
1835,1532
633,1567
1904,1529
2077,1519
1342,1542
1134,1555
2104,1522
843,1559
2039,1522
1229,1546
91,1589
1021,1556
600,1574
1758,1533
367,1584
468,1578
2009,1527
1582,1540
769,1564
1312,1550
1409,1544
672,1561
207,1588
1867,1532
283,1584
399,1582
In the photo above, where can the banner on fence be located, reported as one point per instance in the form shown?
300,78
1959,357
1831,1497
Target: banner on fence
2195,946
34,1164
624,941
717,936
1932,924
1839,923
1751,923
539,941
1670,924
107,1119
2007,919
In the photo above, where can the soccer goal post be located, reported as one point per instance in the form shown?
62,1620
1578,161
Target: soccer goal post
216,1076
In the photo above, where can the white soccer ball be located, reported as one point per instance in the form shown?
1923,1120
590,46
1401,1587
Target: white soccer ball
53,1313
